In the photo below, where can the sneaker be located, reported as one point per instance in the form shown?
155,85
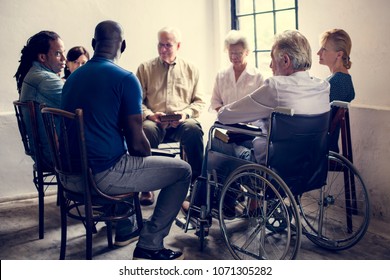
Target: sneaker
163,254
124,240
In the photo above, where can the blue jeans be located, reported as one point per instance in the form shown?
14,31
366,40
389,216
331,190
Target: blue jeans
141,174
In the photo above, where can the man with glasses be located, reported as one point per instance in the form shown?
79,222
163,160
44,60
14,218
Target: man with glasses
171,87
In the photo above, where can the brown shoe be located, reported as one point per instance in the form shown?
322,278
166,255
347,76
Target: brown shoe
146,198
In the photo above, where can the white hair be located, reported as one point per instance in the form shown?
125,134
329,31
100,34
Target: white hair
170,30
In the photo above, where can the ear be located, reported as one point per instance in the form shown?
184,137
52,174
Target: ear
340,54
123,46
286,60
41,57
93,43
178,45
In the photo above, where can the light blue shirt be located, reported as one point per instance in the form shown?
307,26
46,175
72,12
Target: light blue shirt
44,87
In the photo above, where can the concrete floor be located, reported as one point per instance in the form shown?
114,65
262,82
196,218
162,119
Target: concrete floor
19,239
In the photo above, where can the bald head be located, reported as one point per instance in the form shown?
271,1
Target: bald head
108,39
108,30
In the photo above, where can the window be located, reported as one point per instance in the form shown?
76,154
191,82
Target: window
260,20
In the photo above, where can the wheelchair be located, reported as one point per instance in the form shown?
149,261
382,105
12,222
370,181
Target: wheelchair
303,189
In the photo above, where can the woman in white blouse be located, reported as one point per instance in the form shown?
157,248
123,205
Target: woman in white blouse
239,79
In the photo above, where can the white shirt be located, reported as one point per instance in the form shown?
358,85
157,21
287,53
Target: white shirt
227,90
305,94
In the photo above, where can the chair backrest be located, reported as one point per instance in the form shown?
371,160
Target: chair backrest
70,152
298,149
63,147
340,122
28,123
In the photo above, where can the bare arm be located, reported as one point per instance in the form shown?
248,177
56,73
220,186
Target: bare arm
137,143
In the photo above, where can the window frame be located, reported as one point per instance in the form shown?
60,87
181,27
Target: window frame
235,22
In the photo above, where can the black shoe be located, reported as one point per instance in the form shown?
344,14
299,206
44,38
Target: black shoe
163,254
146,198
123,240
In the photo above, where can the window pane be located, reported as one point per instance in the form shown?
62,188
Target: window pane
244,7
284,4
251,59
264,31
261,24
263,5
263,62
285,20
246,26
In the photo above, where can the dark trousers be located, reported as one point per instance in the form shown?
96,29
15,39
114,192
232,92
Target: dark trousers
189,134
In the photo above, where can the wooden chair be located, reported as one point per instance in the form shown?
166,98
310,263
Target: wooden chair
340,123
43,175
81,205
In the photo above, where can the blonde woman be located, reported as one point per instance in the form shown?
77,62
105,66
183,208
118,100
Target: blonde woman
335,53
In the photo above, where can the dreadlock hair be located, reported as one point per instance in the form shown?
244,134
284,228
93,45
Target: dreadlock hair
37,44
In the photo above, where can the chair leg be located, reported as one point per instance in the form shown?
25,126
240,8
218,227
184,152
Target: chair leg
89,225
64,223
138,211
38,178
109,234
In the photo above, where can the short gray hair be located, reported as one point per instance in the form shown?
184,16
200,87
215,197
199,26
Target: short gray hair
236,37
170,30
296,46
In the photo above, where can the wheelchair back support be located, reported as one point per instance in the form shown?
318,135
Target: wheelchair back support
298,150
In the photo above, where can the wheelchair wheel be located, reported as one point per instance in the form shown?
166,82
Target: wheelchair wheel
263,221
336,216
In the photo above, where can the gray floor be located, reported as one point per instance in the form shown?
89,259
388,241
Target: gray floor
19,239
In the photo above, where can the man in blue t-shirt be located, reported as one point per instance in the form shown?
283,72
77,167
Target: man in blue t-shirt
111,99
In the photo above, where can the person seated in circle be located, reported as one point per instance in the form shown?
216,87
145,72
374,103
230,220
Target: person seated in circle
335,53
76,57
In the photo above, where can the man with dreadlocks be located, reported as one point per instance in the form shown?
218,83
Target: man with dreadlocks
38,79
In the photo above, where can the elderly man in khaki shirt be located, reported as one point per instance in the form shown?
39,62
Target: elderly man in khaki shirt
171,87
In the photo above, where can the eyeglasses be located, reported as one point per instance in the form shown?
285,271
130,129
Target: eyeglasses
237,54
167,46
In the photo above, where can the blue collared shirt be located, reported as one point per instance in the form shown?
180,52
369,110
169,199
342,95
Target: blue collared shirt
42,86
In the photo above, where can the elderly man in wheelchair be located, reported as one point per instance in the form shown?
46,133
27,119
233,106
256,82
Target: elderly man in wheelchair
267,196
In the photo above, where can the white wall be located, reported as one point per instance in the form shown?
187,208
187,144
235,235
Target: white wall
204,24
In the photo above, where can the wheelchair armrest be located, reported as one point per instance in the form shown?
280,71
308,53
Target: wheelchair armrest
240,128
157,152
338,103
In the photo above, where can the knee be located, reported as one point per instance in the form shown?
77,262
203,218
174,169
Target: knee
152,133
150,127
192,128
